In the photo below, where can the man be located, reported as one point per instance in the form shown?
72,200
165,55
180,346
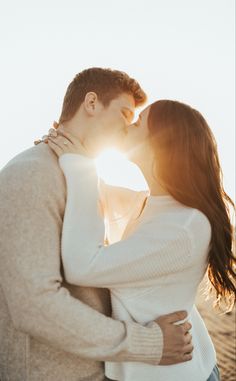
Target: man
50,330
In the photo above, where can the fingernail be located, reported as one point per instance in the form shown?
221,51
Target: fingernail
36,142
52,132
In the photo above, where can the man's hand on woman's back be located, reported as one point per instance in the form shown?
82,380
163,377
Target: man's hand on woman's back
177,341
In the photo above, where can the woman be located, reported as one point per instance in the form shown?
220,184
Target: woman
171,238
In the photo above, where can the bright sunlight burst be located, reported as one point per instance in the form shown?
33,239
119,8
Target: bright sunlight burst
114,168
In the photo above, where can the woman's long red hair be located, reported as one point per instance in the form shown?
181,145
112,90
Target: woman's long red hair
188,167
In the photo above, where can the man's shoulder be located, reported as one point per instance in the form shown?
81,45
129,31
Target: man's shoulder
32,161
36,166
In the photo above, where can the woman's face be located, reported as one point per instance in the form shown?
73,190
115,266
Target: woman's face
136,144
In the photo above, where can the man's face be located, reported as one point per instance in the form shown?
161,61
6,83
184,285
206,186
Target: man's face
112,121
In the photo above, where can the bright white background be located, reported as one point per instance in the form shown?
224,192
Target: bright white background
177,49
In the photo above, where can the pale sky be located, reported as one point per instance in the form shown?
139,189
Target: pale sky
176,49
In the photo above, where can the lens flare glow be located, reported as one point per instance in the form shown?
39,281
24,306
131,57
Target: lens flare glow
114,168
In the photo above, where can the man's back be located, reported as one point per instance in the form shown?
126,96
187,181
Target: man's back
28,183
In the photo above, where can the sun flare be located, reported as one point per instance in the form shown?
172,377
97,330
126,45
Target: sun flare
114,168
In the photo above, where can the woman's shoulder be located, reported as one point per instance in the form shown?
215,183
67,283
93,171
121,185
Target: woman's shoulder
198,228
186,221
192,220
190,217
197,219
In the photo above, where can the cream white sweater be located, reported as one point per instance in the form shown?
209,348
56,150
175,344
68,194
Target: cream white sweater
154,270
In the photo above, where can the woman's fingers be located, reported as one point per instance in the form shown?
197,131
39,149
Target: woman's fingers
67,142
77,145
62,141
55,124
68,136
36,142
55,147
52,132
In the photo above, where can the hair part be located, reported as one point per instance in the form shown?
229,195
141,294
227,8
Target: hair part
108,84
188,167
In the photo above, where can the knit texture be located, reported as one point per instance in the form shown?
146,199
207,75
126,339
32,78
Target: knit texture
51,330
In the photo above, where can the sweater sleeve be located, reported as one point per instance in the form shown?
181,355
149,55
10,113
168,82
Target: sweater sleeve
39,305
133,262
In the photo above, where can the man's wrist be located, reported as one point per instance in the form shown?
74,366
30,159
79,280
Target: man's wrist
146,342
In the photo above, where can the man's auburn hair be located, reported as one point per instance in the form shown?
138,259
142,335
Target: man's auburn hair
106,83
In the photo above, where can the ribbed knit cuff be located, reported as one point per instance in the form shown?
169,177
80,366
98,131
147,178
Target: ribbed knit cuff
146,343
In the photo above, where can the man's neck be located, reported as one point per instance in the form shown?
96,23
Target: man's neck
80,131
76,129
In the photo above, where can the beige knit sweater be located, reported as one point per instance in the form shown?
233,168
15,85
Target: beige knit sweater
48,330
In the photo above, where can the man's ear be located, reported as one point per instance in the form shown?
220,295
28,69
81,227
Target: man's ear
90,103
